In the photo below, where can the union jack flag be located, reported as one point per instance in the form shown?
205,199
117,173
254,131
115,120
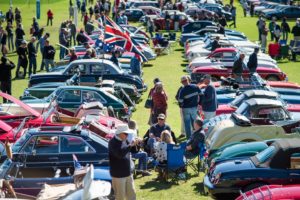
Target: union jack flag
115,35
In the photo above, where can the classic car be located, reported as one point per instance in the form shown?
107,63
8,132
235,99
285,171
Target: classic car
160,23
278,164
218,9
31,180
228,103
254,120
150,10
290,12
277,192
7,133
91,70
72,97
197,25
54,146
135,30
195,11
137,4
134,14
217,71
265,6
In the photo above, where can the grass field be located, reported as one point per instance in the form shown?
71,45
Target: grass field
168,68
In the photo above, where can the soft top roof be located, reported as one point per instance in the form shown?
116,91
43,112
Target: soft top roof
263,101
251,93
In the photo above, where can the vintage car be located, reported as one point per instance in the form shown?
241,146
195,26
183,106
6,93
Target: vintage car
29,181
197,25
7,133
254,120
91,70
278,164
195,12
134,14
217,71
218,9
277,192
290,12
72,97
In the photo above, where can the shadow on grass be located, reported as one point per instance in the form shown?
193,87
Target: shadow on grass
181,49
183,64
156,185
148,65
199,188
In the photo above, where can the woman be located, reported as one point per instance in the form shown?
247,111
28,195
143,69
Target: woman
159,100
49,17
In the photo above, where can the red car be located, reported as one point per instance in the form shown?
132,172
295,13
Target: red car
272,192
7,132
160,22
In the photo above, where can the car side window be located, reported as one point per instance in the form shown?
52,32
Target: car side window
97,69
89,96
77,68
70,96
28,147
218,55
71,144
274,114
46,145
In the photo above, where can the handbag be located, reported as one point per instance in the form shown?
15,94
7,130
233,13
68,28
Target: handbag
149,103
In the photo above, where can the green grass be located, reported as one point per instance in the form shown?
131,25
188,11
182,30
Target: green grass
168,68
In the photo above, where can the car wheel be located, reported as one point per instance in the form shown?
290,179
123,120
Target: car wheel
272,78
252,186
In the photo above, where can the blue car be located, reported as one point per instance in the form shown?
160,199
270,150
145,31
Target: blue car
197,25
290,12
134,14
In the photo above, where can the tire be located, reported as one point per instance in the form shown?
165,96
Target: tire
252,186
272,78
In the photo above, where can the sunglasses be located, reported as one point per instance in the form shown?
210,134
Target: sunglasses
160,119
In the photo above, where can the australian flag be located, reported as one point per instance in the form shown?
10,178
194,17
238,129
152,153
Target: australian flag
115,35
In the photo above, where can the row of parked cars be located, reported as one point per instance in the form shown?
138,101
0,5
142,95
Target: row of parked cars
64,120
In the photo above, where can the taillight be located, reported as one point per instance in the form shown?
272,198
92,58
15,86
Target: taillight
215,179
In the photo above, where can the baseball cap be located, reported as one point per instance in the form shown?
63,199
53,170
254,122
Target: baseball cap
161,116
184,78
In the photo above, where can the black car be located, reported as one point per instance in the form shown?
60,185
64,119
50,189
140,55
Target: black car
278,164
197,25
91,71
218,9
55,146
134,14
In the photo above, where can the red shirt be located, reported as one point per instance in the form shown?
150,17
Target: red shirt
159,100
50,14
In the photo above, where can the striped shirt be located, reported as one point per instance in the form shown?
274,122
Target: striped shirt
189,96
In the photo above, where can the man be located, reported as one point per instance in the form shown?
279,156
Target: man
260,24
41,42
73,31
22,58
10,16
32,56
19,35
81,38
36,28
121,165
245,8
48,55
209,100
63,40
237,69
252,63
233,14
223,21
167,21
189,98
296,30
197,138
135,66
5,75
176,21
215,44
272,28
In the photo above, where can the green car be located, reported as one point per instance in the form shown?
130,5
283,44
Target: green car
70,98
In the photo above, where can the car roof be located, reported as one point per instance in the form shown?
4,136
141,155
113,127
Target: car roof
92,61
263,101
250,93
60,130
78,87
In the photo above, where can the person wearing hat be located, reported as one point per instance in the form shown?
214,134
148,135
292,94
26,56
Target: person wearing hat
196,140
209,101
121,165
22,58
252,62
189,98
5,75
32,56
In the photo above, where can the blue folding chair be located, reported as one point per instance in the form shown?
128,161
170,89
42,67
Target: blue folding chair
175,162
200,164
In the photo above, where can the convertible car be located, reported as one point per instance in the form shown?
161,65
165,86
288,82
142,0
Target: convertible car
278,164
91,70
254,120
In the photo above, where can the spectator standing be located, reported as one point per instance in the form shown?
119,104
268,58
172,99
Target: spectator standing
167,21
209,100
189,98
259,25
19,35
5,75
78,3
285,29
71,12
114,57
63,40
264,35
9,15
41,42
150,26
32,53
83,10
121,165
159,99
3,41
48,55
36,28
18,17
73,31
223,21
49,17
182,130
10,36
245,8
215,44
252,63
176,21
296,30
252,9
272,28
238,68
197,138
22,59
91,12
277,32
233,14
135,66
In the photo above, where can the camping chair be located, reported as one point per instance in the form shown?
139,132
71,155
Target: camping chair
282,42
175,165
295,50
161,45
274,50
284,51
199,165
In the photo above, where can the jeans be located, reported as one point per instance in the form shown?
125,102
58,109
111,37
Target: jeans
10,41
167,25
151,142
32,65
62,53
142,157
47,63
208,115
6,88
189,116
176,26
49,20
124,188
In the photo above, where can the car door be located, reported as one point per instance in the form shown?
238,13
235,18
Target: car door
84,152
69,99
90,96
97,71
44,151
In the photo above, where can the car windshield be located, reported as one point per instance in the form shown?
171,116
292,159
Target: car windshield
238,100
265,154
20,142
242,108
98,139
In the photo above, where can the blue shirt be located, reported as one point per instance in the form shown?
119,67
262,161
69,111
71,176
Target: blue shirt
189,96
209,101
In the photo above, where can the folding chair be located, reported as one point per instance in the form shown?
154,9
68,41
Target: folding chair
175,162
284,52
200,164
274,50
295,50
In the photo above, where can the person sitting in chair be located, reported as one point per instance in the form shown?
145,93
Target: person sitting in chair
196,139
